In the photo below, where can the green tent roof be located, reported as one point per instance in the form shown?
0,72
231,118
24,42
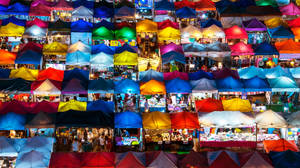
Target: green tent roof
266,3
125,33
102,33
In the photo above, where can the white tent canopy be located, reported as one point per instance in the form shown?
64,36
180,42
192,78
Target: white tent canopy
190,32
226,119
270,119
35,31
47,88
79,46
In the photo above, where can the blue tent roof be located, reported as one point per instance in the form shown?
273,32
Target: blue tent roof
283,2
186,12
85,3
237,5
283,84
100,105
74,86
80,74
276,72
13,20
178,85
3,9
102,48
265,49
230,84
101,86
173,56
4,73
128,119
250,72
146,76
103,12
39,143
78,58
17,9
124,11
29,57
280,32
12,121
294,71
210,22
256,84
212,156
102,59
286,158
125,47
81,26
194,47
32,159
106,24
164,5
127,86
200,74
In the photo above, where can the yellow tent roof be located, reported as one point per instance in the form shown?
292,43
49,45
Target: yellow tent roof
146,26
144,62
55,48
125,58
274,22
11,30
191,32
298,2
153,87
156,120
237,104
168,33
24,73
72,105
213,32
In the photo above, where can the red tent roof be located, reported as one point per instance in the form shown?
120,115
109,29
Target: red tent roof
97,159
37,22
280,145
45,106
241,48
184,3
36,84
65,160
205,5
194,159
16,107
31,46
209,105
124,24
222,160
40,10
167,23
294,22
184,120
51,73
130,161
62,5
235,32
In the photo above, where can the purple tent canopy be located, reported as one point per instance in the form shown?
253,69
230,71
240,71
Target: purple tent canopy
176,74
226,72
254,25
74,86
4,2
171,47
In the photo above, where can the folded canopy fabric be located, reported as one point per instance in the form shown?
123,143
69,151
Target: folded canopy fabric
81,26
178,86
62,5
288,49
280,32
7,149
126,58
175,74
287,158
237,104
156,120
128,119
153,87
226,72
265,49
80,74
270,119
102,33
24,73
127,86
283,84
256,84
229,84
254,25
15,86
200,74
101,86
213,31
224,119
17,9
12,121
74,86
11,30
164,5
94,119
209,105
40,10
203,85
40,120
184,120
125,33
167,23
32,159
52,74
146,76
146,26
290,9
46,87
103,12
97,159
235,32
72,105
29,57
168,33
173,56
82,11
55,48
100,105
185,12
35,32
7,57
241,49
64,159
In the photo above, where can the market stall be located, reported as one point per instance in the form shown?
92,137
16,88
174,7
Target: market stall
256,30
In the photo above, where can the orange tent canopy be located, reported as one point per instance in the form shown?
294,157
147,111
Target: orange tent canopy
51,73
280,145
288,46
153,87
296,32
183,120
205,5
235,32
7,57
209,105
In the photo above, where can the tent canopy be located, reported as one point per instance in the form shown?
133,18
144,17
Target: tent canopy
12,121
38,22
276,72
153,87
11,30
254,25
15,85
209,105
102,33
127,86
74,86
286,158
213,31
288,49
46,87
32,159
7,57
13,20
175,74
173,56
290,9
17,9
55,48
29,57
35,32
62,5
128,119
31,46
59,25
148,75
80,74
283,84
229,84
251,72
64,159
237,104
235,32
210,22
125,33
103,12
78,58
256,84
146,26
164,5
280,145
178,85
250,159
97,159
182,120
156,120
126,58
194,159
241,49
102,48
130,159
220,158
168,33
185,12
265,49
167,23
226,72
163,158
24,73
200,74
7,149
82,11
124,12
294,22
72,105
203,85
171,47
40,120
280,32
81,26
100,105
40,10
270,119
101,86
52,74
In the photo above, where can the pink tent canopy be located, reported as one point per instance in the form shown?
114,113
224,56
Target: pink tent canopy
37,22
167,23
62,5
176,74
235,32
40,10
4,2
226,72
241,49
16,107
290,9
171,47
41,2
